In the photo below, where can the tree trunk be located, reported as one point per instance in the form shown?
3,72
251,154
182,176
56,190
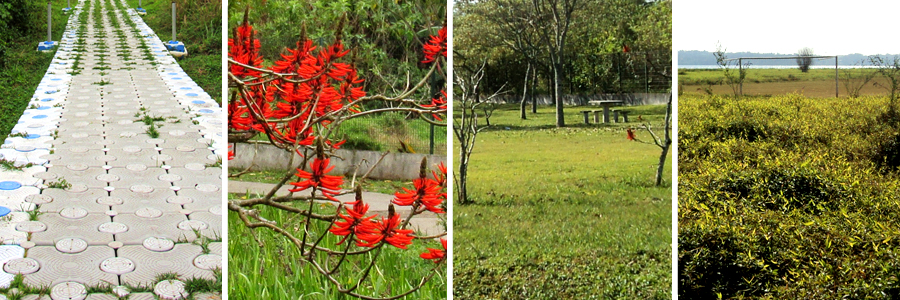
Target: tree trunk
662,164
523,103
533,99
560,116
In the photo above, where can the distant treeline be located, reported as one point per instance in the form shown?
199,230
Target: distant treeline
695,57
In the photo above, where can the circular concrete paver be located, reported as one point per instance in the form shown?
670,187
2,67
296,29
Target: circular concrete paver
68,291
71,245
21,266
158,244
170,289
208,261
113,227
117,265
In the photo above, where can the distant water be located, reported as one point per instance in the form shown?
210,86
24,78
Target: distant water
772,67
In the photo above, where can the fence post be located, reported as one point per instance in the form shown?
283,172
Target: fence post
49,21
741,72
173,21
176,48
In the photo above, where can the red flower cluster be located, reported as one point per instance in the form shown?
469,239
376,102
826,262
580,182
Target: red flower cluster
437,45
352,220
630,134
437,255
312,84
329,185
387,230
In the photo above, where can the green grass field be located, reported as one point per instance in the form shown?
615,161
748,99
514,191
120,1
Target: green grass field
767,82
274,270
566,213
788,197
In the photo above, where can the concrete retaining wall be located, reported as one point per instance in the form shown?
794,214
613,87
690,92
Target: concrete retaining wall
630,99
394,166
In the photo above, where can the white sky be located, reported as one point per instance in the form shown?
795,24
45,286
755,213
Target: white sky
832,27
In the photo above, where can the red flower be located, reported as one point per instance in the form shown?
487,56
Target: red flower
625,48
437,255
437,45
387,230
328,184
244,49
230,152
438,103
351,223
427,192
630,134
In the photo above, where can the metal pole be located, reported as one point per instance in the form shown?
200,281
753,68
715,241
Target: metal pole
139,3
431,142
740,74
49,21
173,21
646,79
68,4
835,76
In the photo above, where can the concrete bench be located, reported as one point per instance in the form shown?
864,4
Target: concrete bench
585,113
617,112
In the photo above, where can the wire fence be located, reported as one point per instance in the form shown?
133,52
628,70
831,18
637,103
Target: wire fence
393,132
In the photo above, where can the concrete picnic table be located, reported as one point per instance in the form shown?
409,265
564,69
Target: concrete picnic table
606,104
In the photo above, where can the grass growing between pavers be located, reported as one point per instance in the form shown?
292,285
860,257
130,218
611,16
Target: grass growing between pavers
788,197
22,67
199,26
273,270
567,213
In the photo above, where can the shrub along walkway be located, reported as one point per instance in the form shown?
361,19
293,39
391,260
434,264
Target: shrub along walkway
120,186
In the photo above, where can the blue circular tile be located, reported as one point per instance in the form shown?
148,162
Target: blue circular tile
32,136
192,94
185,88
50,92
198,102
56,79
39,117
206,111
173,73
9,185
4,211
43,108
47,99
176,78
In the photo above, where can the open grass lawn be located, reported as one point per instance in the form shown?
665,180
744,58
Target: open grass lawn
274,271
788,197
765,82
566,213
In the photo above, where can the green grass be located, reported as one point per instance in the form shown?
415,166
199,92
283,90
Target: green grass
274,271
22,68
709,76
566,213
199,26
788,197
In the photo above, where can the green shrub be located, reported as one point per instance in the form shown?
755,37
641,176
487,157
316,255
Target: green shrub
786,197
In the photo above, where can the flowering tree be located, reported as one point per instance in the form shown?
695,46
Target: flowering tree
297,104
663,142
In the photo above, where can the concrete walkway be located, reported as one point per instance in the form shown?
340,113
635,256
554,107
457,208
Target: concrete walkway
426,223
111,201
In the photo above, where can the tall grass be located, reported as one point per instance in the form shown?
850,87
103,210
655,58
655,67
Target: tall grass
273,270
